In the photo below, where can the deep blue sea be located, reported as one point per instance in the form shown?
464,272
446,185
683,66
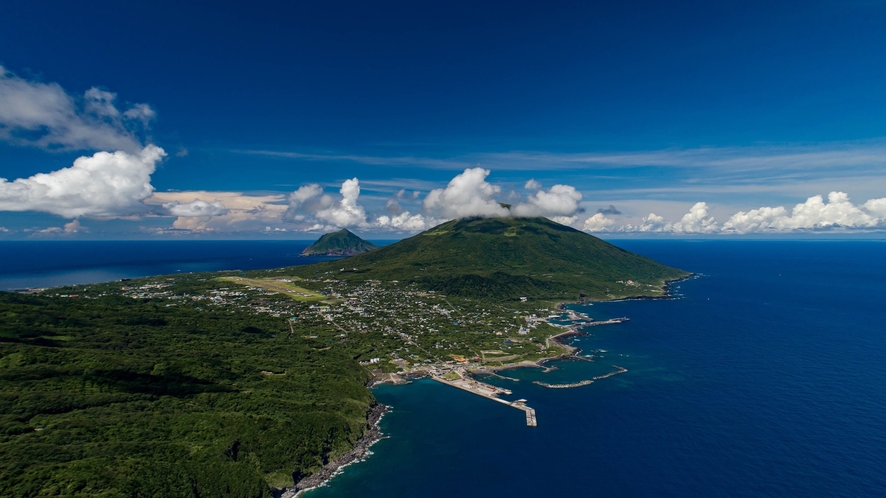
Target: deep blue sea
766,377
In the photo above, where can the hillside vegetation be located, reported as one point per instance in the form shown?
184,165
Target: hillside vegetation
122,397
508,258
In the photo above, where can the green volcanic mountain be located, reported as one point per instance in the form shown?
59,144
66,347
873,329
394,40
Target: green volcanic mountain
509,258
340,243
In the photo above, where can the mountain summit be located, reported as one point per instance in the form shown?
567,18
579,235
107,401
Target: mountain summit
340,243
510,258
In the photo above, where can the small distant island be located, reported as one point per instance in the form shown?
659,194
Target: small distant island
256,383
340,243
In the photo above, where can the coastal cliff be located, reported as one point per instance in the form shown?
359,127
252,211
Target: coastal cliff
334,466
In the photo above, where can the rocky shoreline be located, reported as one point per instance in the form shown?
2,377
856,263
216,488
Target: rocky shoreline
333,468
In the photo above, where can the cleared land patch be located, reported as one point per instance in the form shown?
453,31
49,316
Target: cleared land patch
278,285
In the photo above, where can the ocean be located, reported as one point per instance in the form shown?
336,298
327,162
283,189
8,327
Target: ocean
765,377
25,264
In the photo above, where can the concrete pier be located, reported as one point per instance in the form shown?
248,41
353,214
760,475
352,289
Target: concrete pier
490,392
530,417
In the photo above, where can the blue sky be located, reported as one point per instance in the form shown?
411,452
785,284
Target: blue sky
686,118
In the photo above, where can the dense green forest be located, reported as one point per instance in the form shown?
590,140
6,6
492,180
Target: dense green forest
114,396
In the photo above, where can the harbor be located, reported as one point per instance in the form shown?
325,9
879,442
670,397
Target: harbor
459,379
490,392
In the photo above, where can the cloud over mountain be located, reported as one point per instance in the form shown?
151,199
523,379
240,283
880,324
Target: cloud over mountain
468,194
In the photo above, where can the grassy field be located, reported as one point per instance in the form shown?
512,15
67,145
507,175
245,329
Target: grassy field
278,284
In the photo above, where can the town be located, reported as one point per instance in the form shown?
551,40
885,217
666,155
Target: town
396,330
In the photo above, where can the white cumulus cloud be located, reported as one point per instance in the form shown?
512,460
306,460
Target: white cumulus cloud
304,194
559,200
651,223
347,212
105,184
405,222
695,221
312,208
532,184
598,223
45,115
74,227
810,215
756,220
468,194
876,207
196,208
838,212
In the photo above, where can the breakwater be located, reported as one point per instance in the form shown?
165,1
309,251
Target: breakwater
489,391
618,370
563,386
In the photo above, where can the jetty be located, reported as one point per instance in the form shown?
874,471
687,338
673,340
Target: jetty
618,370
611,321
489,391
563,386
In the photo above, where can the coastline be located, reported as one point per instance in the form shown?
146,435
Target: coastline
362,447
360,451
573,352
666,294
666,288
570,352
